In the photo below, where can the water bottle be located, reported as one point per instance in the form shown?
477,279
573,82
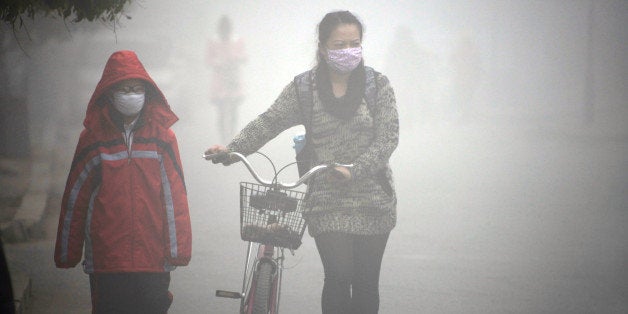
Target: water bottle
299,142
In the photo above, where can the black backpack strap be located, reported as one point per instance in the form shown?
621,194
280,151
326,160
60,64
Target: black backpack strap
303,86
371,88
305,97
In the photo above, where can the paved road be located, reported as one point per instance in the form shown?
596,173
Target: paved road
489,222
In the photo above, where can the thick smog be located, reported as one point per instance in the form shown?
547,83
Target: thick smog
510,171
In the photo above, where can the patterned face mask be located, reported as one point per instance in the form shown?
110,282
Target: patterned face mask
344,61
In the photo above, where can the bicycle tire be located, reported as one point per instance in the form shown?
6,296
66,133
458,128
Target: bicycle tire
263,287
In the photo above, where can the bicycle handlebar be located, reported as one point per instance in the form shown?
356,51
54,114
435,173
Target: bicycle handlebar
315,170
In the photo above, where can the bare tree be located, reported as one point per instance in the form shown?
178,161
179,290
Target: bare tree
14,12
28,26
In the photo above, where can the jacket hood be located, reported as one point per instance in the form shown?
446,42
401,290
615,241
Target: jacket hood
123,65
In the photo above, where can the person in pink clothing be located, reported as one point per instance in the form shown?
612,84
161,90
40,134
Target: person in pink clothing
225,58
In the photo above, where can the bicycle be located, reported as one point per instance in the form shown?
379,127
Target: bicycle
271,217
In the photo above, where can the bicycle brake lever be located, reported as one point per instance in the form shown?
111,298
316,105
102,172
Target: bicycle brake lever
209,156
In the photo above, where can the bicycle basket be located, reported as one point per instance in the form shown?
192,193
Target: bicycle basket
271,216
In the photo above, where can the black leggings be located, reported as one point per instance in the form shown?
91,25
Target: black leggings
352,264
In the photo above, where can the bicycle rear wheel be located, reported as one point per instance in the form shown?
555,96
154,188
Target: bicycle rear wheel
263,288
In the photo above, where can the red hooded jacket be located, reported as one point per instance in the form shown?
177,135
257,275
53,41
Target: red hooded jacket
127,206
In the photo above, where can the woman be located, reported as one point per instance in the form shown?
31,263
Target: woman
351,211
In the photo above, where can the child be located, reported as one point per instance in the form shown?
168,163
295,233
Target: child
125,200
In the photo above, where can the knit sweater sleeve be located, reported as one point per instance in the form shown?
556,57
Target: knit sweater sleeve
386,130
282,115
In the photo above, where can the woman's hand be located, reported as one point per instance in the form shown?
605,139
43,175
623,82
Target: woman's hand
339,174
216,149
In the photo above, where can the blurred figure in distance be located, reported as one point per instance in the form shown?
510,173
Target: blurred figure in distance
225,57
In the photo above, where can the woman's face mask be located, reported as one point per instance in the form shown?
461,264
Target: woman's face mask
129,104
345,60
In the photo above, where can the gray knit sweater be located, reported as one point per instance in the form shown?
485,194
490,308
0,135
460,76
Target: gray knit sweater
365,205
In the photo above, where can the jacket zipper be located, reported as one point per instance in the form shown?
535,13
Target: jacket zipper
128,138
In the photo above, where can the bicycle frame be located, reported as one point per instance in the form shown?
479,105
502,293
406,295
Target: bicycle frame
265,254
261,284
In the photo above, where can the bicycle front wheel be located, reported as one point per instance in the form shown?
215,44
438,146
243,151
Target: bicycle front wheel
263,288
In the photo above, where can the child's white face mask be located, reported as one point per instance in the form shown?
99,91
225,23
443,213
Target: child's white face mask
128,104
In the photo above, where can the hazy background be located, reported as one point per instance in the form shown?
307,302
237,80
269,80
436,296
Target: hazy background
511,171
493,60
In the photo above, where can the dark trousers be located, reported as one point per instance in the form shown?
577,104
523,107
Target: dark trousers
7,303
130,293
352,264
